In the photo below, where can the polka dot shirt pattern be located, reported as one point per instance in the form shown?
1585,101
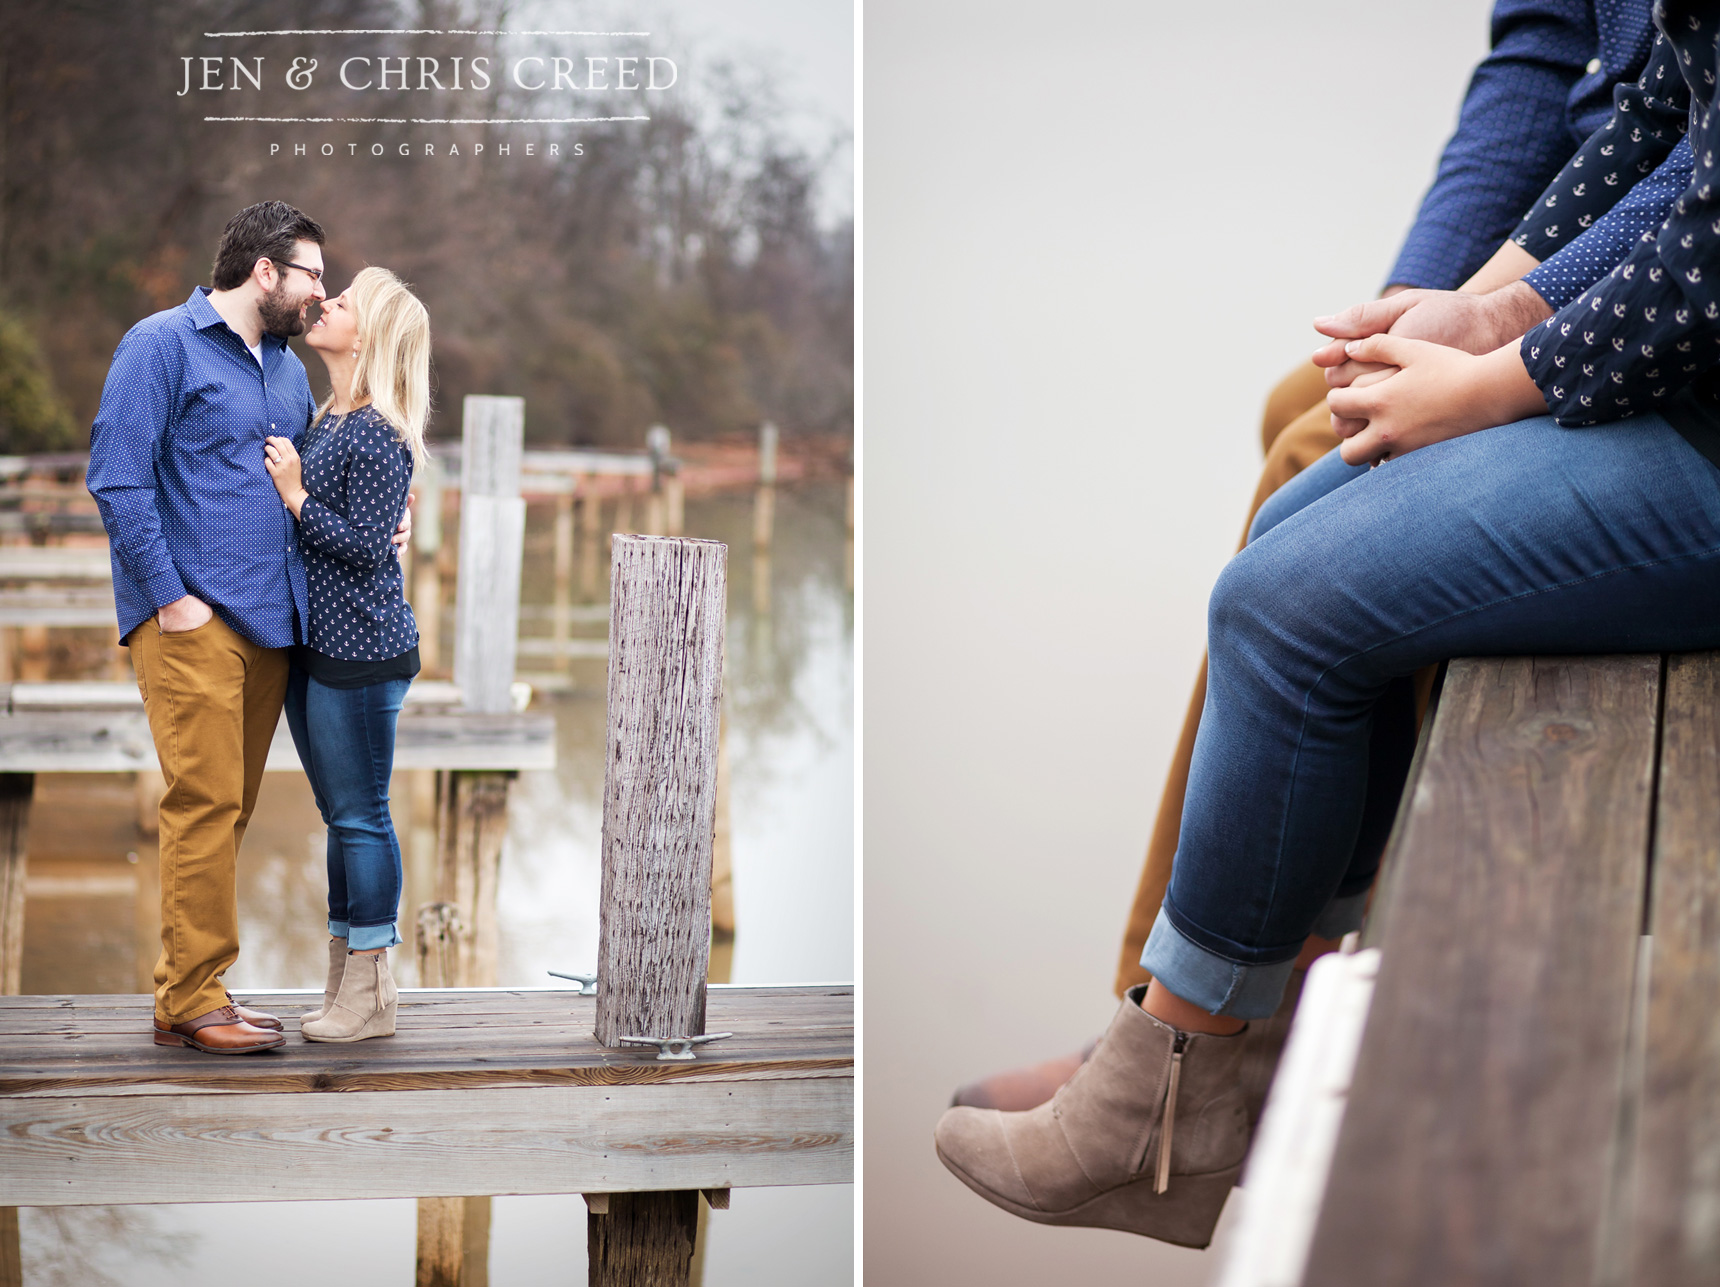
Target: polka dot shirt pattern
176,468
357,473
1651,327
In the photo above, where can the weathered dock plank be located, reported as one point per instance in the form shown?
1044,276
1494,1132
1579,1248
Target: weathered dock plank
118,741
533,1105
1675,1229
73,1045
1476,1144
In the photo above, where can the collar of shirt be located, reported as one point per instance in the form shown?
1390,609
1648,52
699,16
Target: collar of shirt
204,316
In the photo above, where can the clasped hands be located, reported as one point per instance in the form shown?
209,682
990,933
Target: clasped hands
1420,366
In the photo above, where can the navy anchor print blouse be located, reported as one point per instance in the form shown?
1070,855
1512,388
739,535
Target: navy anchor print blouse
357,473
1649,329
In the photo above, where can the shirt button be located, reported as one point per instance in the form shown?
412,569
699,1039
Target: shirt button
1593,67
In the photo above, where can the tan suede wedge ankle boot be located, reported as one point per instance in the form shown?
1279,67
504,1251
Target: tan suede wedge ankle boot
1148,1136
364,1006
336,967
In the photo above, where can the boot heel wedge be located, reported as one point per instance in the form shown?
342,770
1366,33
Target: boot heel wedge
1185,1215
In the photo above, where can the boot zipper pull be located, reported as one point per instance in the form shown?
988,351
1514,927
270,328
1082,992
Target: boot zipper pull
1162,1181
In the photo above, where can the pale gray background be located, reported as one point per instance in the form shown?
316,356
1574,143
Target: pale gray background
1094,236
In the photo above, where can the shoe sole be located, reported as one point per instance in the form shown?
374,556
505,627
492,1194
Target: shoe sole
1192,1206
179,1039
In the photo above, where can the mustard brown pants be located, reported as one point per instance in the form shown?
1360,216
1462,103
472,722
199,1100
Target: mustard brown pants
1295,431
213,699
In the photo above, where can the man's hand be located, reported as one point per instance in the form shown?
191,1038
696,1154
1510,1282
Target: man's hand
1457,319
1436,392
183,614
403,534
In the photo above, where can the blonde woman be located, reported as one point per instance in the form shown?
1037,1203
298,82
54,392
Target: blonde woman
348,492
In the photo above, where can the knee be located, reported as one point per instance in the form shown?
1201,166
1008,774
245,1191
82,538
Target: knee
1243,600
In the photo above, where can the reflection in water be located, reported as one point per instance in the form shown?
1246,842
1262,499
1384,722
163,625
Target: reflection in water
788,712
102,1246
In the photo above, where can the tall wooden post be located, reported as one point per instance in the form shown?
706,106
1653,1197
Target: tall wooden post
660,785
492,540
590,536
458,931
426,571
764,500
659,811
563,571
16,790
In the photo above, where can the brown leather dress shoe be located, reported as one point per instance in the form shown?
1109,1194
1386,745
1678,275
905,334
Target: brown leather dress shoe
220,1032
256,1018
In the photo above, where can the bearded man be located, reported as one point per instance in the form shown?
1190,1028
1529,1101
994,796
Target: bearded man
209,583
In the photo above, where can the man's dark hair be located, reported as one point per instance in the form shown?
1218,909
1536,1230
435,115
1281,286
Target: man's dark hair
267,230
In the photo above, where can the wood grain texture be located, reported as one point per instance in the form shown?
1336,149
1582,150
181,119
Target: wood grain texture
453,1242
11,1250
99,1045
16,791
117,1149
1475,1149
643,1240
668,600
1675,1225
472,822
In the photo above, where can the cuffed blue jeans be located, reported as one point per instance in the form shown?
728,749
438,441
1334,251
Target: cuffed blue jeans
1527,538
345,740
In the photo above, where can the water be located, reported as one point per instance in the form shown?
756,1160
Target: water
789,684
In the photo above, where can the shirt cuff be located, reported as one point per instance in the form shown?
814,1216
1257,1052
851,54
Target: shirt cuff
164,587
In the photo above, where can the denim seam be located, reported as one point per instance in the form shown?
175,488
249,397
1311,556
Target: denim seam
1301,735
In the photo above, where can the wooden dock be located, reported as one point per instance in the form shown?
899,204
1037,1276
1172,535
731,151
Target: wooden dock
1535,1096
480,1091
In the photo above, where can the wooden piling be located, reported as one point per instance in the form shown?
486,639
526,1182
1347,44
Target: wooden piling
457,932
645,1239
563,573
659,791
16,790
472,822
427,572
590,536
453,1242
492,537
764,500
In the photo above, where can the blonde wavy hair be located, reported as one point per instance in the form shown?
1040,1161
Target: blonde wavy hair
393,369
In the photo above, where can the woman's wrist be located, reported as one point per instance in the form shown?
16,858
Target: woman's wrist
296,501
1503,391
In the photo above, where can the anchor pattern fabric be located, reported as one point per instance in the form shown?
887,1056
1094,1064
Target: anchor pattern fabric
1601,203
1545,86
1651,326
357,473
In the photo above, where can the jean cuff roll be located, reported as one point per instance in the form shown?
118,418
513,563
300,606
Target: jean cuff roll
364,938
1342,916
1204,978
338,929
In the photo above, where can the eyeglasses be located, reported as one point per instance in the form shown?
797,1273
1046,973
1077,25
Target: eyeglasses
315,273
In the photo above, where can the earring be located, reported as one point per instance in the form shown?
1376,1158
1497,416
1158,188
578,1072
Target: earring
355,352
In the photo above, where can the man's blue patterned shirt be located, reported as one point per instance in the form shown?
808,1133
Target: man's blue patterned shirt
176,467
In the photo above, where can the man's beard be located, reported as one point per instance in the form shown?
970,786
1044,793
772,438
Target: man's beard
280,312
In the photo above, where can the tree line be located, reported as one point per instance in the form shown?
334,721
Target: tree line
670,271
